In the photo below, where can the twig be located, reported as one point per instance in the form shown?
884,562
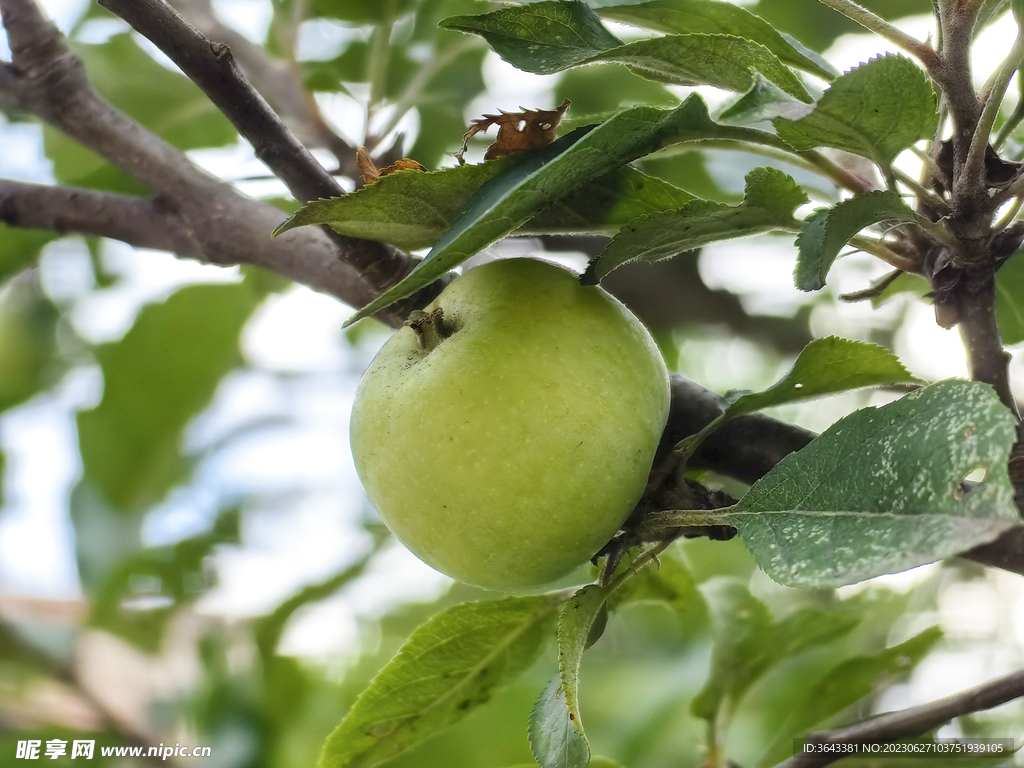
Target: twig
933,201
974,166
915,721
884,29
880,250
953,71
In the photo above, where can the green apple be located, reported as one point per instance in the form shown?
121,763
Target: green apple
508,430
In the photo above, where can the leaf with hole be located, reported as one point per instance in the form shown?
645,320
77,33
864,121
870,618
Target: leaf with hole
769,201
882,490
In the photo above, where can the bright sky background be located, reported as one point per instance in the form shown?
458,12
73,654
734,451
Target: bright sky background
299,332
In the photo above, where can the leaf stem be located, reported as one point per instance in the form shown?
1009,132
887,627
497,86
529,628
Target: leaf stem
1011,214
882,251
884,29
933,201
644,558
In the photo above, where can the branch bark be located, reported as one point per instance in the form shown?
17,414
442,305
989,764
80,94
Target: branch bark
914,721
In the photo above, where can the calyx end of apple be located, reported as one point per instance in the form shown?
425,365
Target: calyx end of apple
430,328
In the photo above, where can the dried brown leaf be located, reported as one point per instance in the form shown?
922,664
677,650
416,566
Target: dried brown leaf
517,131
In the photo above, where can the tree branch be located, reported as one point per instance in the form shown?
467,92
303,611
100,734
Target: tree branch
138,221
216,236
914,721
989,362
47,80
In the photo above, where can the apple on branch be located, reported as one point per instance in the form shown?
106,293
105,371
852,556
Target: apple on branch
506,432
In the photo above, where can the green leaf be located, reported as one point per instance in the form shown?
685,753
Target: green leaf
769,200
875,110
826,367
846,683
550,37
138,598
828,230
763,101
555,740
412,209
162,373
881,490
748,643
542,38
724,61
540,177
1010,300
715,17
451,664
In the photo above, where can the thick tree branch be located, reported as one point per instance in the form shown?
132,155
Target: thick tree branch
47,80
216,236
915,721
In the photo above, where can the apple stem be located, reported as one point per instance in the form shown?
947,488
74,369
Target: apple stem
430,329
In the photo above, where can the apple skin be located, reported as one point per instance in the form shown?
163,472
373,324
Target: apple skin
509,452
